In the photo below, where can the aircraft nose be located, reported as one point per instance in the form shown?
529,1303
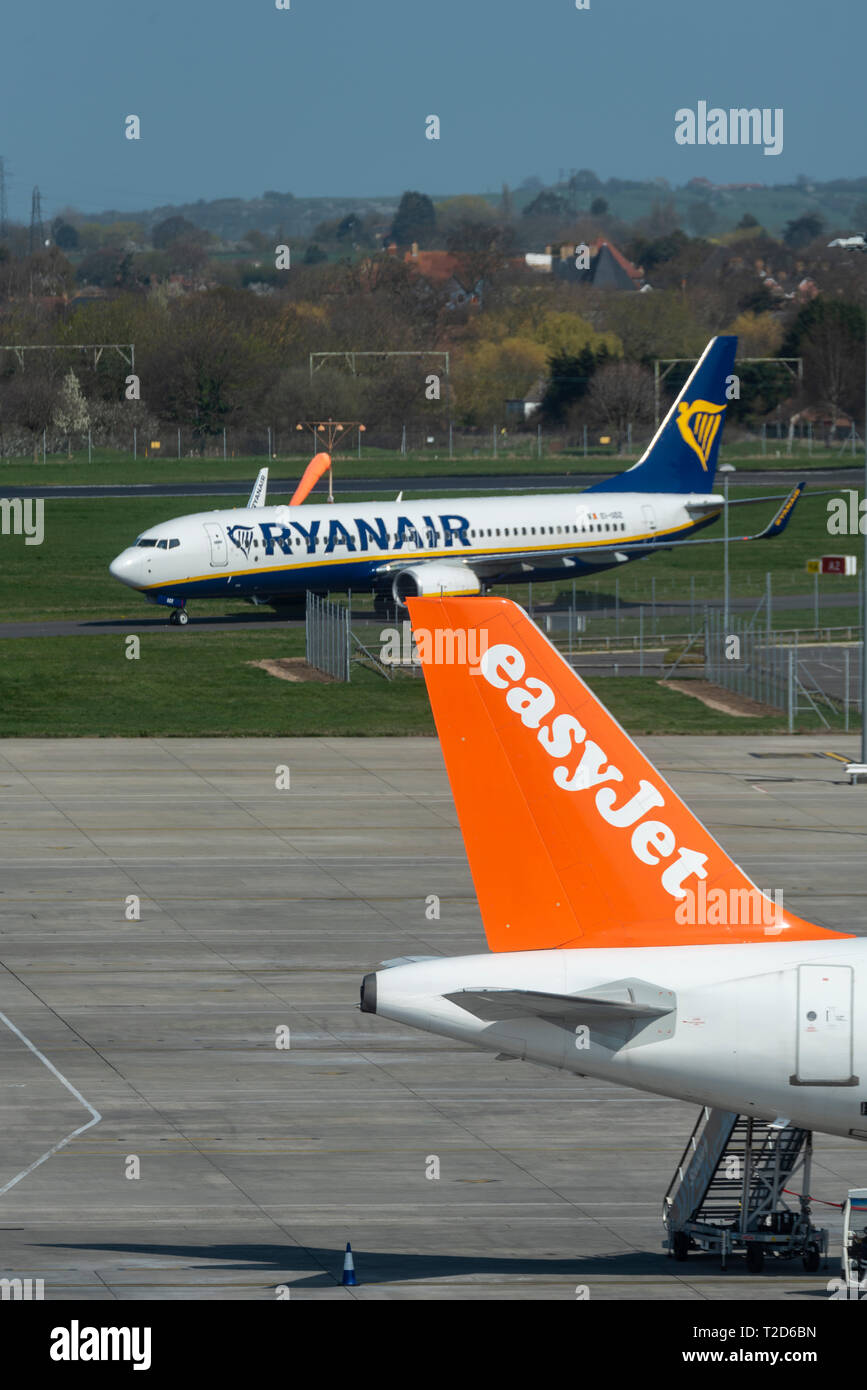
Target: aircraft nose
125,567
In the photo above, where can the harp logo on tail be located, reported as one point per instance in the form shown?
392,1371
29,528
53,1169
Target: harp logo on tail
698,424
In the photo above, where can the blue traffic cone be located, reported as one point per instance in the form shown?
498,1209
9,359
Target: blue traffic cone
348,1267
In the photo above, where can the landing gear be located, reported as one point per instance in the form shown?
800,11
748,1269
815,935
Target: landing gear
179,616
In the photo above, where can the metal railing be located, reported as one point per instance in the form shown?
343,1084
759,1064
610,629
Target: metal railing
328,637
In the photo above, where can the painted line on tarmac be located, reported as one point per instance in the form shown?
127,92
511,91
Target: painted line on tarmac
55,1148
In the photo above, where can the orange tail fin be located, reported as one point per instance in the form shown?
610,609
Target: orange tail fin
318,465
573,837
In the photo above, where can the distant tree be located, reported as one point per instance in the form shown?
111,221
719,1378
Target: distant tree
65,235
662,220
546,204
747,222
29,399
256,240
491,373
568,380
71,415
175,229
620,395
650,252
829,335
110,268
661,324
482,248
599,207
350,228
415,220
701,217
585,181
758,335
465,209
314,254
802,230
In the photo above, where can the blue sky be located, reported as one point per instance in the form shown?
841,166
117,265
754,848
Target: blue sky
330,97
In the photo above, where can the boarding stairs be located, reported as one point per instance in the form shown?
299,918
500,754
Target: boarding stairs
732,1191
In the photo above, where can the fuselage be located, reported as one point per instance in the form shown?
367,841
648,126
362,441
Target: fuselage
766,1029
274,553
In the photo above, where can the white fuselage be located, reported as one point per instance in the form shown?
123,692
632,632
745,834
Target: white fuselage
277,552
770,1029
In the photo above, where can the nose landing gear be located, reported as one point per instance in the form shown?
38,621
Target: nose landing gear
179,616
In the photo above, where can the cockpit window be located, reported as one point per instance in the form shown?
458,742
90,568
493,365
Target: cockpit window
173,543
162,545
144,542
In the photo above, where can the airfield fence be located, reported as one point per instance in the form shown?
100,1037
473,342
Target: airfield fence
811,672
328,637
415,441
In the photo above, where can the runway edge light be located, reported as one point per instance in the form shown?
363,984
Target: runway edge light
348,1267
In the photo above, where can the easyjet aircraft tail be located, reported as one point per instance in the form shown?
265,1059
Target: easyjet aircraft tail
682,455
573,837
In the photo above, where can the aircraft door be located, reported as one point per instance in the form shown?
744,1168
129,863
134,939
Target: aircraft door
217,542
824,1026
649,514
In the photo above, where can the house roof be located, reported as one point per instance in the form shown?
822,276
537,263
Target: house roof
609,269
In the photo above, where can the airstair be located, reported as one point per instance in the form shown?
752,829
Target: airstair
731,1192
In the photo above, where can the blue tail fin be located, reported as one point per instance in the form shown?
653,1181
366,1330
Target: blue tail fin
682,455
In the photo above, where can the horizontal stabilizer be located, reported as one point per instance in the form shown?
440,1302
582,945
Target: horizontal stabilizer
621,1002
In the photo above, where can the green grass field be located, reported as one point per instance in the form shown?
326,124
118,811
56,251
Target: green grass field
86,686
111,467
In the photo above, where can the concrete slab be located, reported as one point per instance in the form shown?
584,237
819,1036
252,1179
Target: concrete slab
259,911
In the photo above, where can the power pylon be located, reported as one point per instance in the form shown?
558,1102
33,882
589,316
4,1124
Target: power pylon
37,234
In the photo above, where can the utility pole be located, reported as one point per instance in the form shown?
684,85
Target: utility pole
37,234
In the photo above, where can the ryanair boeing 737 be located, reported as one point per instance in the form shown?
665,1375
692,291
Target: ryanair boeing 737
453,547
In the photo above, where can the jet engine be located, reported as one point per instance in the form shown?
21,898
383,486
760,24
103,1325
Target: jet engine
433,578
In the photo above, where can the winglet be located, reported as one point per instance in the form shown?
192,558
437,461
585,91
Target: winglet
778,524
260,489
573,837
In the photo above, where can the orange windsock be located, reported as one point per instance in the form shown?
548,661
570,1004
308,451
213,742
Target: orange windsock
315,469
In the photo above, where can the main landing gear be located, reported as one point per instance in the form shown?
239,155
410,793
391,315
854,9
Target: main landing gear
179,616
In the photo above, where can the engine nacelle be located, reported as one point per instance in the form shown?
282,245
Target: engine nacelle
421,581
